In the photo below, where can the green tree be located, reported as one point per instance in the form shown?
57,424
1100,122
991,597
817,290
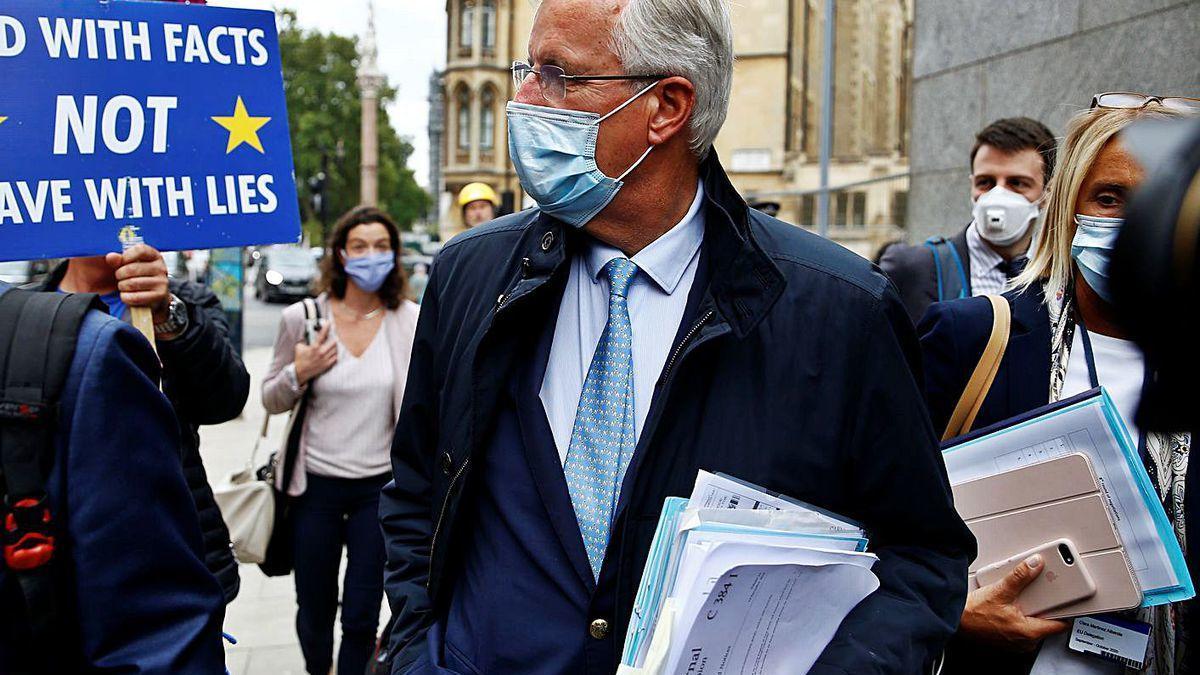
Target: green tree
324,114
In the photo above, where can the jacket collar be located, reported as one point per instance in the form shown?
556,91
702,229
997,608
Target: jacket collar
745,281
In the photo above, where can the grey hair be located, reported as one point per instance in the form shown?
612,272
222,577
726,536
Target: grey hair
689,38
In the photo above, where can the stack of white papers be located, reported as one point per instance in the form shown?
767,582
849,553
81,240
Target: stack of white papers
740,580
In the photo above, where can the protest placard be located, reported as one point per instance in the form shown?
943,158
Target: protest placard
164,116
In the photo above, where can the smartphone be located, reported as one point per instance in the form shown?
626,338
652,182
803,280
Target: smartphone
1064,578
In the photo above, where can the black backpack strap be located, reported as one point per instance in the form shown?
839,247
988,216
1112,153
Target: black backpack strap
38,332
291,447
951,276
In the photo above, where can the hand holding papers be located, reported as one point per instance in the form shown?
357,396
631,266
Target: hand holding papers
734,566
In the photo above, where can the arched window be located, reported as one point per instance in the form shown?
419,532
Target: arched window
487,119
488,20
463,117
466,24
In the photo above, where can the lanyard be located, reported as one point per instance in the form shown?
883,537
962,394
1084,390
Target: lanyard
1093,376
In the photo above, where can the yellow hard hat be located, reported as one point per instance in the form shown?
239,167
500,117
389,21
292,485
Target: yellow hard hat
474,192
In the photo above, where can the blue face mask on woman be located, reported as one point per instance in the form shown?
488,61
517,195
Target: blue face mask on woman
1092,248
369,271
554,152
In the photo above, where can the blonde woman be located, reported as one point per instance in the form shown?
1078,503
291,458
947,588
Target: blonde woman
1065,339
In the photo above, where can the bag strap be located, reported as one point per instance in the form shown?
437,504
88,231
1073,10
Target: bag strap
981,379
38,334
952,282
291,447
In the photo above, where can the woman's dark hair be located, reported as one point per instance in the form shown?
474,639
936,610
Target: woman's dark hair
333,272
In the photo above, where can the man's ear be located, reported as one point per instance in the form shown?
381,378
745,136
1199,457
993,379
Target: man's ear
673,104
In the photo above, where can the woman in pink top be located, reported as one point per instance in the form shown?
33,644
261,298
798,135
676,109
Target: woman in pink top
351,381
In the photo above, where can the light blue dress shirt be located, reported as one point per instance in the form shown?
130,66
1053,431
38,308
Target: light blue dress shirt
657,299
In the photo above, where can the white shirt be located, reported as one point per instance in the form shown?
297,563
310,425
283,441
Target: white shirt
1120,368
350,421
986,277
657,299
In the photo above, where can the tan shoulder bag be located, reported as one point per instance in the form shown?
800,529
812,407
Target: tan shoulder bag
985,371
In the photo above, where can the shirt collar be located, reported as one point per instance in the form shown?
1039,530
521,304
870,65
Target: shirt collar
665,259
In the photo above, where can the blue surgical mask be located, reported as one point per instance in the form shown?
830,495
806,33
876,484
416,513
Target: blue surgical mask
1092,248
554,152
369,271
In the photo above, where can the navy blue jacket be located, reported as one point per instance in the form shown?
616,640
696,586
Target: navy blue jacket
953,335
144,600
796,369
205,381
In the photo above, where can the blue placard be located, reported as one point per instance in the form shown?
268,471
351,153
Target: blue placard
165,116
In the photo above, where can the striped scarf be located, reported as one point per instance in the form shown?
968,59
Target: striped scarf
1168,454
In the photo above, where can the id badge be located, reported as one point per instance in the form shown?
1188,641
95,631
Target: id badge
1111,638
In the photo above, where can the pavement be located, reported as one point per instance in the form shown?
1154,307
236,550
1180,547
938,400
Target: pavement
262,617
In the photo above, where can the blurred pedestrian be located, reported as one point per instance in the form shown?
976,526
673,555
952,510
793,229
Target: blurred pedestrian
202,373
1011,161
577,363
1065,340
123,587
350,381
418,281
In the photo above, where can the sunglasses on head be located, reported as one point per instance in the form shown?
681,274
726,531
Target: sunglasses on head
1131,101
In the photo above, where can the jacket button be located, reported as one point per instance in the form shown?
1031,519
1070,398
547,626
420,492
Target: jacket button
447,463
598,629
547,241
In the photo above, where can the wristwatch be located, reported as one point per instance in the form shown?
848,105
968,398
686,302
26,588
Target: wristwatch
177,319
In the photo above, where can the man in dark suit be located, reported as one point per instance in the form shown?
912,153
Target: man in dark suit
135,594
1011,162
576,364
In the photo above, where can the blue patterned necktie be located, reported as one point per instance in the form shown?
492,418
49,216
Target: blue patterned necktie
602,440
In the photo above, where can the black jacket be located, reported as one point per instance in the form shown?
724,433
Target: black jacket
913,271
798,371
205,381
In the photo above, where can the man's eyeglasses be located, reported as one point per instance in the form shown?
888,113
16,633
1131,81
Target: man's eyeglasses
1131,101
553,80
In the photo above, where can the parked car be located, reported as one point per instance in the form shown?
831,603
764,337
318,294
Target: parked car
20,272
17,272
284,273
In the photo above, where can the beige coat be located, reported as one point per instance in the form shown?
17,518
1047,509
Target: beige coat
279,395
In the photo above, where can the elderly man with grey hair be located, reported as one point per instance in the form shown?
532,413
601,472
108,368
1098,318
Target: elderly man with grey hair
577,363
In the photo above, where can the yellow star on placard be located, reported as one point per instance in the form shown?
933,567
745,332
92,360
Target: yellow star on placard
2,119
242,128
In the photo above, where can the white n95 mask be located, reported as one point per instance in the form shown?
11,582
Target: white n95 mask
1003,216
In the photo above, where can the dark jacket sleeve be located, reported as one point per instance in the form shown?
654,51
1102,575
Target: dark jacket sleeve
903,496
945,378
404,506
146,602
203,375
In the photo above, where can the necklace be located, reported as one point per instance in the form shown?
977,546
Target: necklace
355,315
